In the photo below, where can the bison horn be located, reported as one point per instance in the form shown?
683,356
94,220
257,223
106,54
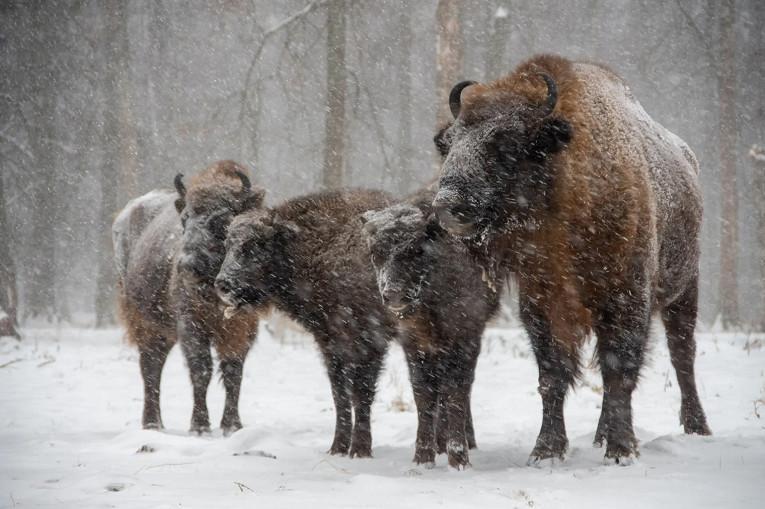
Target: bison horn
454,96
552,94
246,185
179,185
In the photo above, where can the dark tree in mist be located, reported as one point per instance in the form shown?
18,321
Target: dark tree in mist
334,145
449,54
404,90
118,163
40,63
757,154
8,295
729,242
499,33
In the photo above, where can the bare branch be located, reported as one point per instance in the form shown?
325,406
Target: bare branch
705,44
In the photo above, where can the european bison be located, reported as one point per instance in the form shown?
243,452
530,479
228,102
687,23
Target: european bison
597,208
443,300
308,258
166,265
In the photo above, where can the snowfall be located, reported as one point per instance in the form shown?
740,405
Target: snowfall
70,433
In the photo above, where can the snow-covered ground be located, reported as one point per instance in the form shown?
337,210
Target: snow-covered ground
70,404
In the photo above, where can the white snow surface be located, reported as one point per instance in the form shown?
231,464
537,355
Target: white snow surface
70,433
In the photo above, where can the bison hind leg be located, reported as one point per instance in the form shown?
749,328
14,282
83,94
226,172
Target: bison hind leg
153,354
679,319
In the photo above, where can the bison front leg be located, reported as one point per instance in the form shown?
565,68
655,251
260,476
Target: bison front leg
442,424
153,355
425,386
558,364
232,351
363,390
622,329
195,344
458,375
338,379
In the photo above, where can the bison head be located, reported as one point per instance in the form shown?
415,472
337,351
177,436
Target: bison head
257,261
403,248
206,210
496,170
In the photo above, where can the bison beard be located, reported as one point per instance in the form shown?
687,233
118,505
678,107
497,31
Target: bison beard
596,208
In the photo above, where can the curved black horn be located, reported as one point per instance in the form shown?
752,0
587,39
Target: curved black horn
246,185
552,94
179,185
454,96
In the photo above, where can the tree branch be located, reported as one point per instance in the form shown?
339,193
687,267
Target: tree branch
700,36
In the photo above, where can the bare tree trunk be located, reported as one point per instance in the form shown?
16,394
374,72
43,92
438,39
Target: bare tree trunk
334,144
449,54
118,166
40,295
728,190
404,88
757,153
495,63
8,294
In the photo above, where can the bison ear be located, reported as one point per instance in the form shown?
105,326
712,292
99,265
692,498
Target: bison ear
433,229
285,226
552,136
254,200
441,141
180,204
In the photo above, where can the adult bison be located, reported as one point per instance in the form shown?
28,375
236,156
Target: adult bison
308,258
596,207
443,300
168,248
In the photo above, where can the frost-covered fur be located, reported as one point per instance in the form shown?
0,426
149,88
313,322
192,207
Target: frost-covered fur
434,285
165,278
597,209
308,258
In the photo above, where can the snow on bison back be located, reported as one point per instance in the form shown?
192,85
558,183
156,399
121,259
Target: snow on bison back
596,208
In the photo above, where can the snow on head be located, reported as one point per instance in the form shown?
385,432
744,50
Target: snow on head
397,218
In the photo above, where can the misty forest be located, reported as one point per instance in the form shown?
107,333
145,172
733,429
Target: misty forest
422,224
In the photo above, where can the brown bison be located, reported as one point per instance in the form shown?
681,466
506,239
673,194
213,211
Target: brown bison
596,207
308,258
443,301
168,248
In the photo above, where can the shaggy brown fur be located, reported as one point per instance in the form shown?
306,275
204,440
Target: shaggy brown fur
308,258
167,265
597,209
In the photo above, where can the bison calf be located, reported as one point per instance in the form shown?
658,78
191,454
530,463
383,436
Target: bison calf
167,264
443,300
308,258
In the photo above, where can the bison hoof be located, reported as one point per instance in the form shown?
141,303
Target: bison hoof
425,456
552,447
199,429
622,452
696,425
339,448
360,451
230,429
457,452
